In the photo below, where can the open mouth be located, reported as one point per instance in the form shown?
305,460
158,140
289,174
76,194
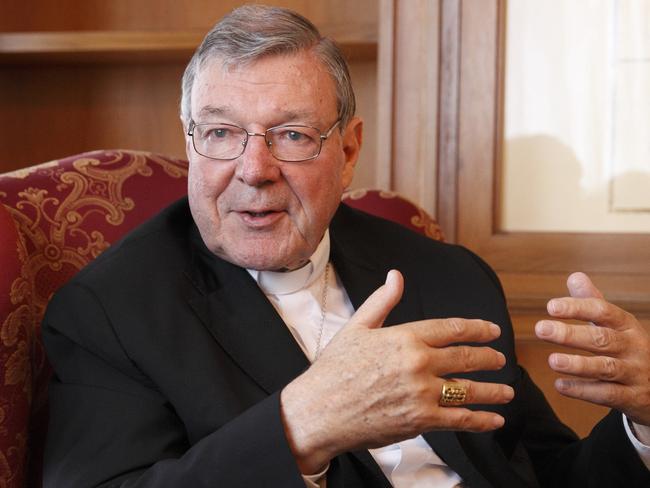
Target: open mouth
259,214
260,219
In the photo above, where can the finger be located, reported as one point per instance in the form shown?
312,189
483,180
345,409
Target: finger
485,393
602,368
581,286
594,310
462,359
599,340
443,332
372,313
462,419
609,394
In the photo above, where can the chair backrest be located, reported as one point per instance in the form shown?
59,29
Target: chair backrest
54,219
395,207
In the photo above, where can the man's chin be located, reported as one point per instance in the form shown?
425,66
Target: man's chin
265,261
277,265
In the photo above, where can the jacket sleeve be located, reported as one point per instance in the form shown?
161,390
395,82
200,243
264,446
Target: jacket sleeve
605,458
111,427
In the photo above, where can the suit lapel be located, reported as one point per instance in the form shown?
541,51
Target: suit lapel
363,269
243,321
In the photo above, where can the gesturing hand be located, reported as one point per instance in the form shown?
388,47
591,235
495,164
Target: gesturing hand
374,386
618,375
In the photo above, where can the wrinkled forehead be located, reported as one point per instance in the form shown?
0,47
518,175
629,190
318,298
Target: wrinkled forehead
293,83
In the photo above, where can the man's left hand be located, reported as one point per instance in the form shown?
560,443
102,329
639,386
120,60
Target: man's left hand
618,374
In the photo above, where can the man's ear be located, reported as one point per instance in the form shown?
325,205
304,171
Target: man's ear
352,139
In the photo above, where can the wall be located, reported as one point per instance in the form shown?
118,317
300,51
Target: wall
84,75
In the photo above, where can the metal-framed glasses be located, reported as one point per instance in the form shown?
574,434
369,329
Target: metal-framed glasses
290,143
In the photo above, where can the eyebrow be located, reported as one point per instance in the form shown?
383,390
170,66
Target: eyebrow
212,110
288,116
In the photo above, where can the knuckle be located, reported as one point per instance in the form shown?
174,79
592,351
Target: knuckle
465,356
465,420
627,317
557,331
610,396
457,327
603,309
507,393
565,333
610,369
602,337
405,337
498,395
416,362
497,359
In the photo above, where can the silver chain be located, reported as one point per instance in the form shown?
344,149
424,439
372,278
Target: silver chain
323,310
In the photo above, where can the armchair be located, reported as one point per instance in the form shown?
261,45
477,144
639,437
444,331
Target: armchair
55,218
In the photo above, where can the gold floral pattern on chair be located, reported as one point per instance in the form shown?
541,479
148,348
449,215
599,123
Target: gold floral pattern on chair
25,172
393,206
12,365
54,227
430,226
67,212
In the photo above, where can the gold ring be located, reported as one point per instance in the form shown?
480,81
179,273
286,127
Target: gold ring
453,393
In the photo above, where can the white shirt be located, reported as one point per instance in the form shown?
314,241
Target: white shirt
297,295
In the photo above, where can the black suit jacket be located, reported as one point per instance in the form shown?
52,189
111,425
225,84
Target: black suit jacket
169,362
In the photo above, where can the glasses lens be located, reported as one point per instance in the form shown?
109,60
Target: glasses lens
219,141
294,142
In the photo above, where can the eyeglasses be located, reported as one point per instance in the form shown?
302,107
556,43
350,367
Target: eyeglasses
290,143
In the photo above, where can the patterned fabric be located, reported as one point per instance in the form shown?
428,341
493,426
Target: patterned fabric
55,218
66,213
392,206
13,354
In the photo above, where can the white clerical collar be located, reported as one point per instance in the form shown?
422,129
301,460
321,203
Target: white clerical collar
286,282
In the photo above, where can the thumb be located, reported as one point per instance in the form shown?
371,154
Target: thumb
580,286
372,313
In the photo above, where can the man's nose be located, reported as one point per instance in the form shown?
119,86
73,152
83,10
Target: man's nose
257,166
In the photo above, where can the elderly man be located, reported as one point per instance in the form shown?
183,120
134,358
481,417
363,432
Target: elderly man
182,354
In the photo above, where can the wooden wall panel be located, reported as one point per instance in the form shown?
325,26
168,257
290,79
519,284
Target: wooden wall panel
57,111
335,17
408,98
81,75
63,110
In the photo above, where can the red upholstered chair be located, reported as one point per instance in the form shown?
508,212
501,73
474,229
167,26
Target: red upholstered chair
54,219
392,206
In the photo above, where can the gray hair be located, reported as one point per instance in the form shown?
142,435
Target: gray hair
251,32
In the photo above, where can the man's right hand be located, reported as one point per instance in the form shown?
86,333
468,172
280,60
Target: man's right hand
375,386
